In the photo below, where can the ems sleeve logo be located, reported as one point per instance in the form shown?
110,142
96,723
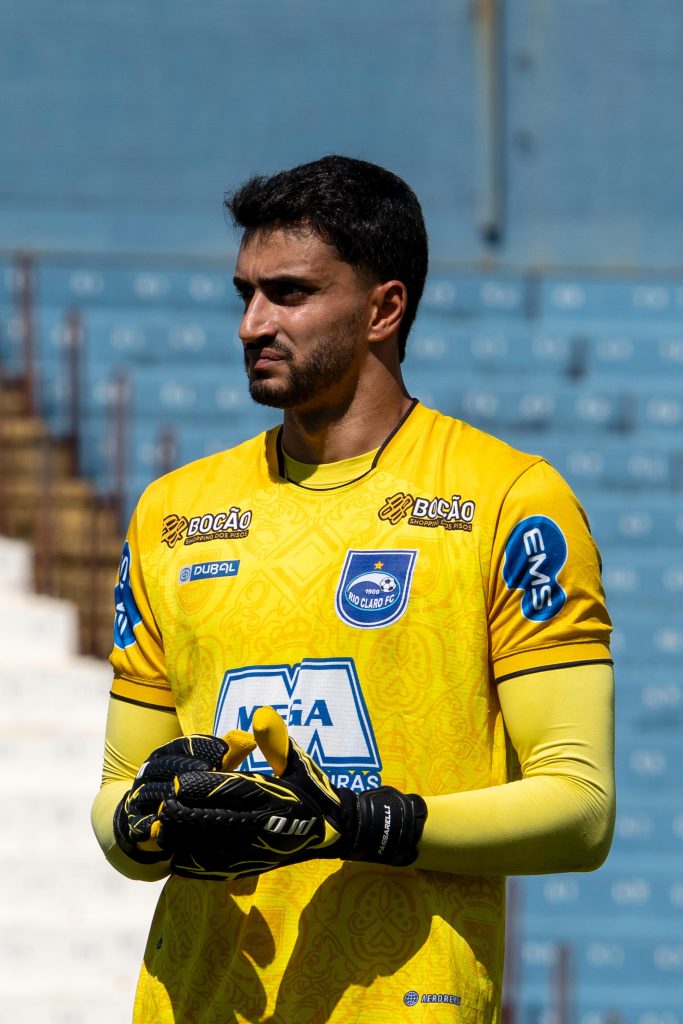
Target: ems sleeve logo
374,587
534,555
127,613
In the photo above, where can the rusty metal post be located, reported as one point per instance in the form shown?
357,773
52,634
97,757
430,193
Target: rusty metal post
490,212
24,272
43,547
563,984
513,958
168,448
90,632
120,452
74,355
4,461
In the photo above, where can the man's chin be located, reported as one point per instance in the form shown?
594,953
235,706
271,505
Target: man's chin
268,393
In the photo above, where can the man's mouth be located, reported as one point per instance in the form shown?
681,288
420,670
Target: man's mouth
263,358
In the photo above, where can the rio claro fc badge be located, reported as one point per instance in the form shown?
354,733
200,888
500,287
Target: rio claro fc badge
374,587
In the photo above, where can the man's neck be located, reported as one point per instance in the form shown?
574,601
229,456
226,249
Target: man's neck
332,433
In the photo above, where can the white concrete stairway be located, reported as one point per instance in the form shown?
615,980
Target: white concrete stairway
72,931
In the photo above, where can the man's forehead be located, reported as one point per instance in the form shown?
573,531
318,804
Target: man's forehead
284,249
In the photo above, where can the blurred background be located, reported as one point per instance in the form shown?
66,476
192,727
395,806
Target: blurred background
544,140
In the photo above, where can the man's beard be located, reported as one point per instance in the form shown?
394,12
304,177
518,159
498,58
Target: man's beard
326,364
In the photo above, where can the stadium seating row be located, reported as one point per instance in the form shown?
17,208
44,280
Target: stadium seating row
521,347
461,292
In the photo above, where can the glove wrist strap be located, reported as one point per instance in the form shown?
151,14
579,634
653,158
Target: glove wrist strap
389,826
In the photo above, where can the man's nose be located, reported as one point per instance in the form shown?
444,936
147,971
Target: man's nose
259,319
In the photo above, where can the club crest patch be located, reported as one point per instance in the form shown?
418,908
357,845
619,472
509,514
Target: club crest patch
374,587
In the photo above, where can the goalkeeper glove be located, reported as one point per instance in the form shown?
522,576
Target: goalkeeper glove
136,818
230,825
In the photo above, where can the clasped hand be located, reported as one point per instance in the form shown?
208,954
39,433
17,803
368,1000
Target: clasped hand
189,804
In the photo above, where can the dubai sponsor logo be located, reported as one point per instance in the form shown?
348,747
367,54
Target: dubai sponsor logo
322,703
207,571
454,513
374,587
231,525
127,614
535,553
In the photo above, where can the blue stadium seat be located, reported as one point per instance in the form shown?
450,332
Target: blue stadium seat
619,299
644,635
618,348
196,392
543,402
655,577
145,335
476,295
7,282
637,520
618,887
11,347
652,763
647,828
153,445
649,698
88,284
645,462
488,348
613,977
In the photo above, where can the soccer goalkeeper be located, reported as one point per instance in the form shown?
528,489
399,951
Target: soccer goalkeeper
419,603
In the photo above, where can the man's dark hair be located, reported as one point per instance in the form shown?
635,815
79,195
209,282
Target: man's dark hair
369,216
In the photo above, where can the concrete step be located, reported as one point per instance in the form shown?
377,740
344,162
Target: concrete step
72,695
36,630
48,962
112,1004
74,758
16,566
81,894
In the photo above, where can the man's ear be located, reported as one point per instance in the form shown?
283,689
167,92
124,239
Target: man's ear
389,301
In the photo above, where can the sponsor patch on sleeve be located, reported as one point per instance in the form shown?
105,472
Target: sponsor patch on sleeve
535,553
127,615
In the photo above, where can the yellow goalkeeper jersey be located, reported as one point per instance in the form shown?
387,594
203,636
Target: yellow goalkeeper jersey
376,617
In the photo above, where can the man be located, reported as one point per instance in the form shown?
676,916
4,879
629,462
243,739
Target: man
418,602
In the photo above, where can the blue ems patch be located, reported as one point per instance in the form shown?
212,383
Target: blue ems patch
374,587
534,555
208,571
127,613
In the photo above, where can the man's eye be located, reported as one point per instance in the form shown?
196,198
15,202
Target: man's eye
287,292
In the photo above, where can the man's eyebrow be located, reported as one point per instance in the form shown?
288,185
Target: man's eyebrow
275,279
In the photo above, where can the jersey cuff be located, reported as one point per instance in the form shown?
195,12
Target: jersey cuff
545,658
140,691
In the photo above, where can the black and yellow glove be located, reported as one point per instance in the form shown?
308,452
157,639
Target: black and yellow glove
227,825
137,826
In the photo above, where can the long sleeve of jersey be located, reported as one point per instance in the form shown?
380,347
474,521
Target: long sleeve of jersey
560,815
132,733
